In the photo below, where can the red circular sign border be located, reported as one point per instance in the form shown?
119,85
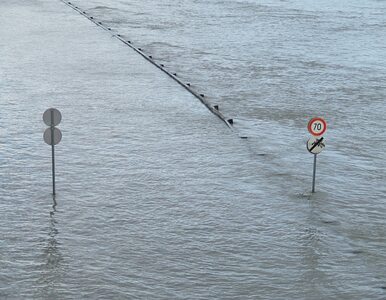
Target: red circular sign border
312,121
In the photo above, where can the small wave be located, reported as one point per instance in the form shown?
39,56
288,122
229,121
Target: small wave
103,7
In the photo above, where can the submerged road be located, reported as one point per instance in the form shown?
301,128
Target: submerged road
143,169
156,198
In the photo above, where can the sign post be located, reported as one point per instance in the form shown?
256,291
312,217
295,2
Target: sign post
314,175
317,127
52,136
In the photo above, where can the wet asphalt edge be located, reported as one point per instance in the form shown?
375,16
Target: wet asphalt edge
214,109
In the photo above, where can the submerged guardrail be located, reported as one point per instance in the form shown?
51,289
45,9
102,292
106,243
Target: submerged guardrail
214,109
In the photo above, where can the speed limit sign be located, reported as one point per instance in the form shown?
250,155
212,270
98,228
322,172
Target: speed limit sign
317,126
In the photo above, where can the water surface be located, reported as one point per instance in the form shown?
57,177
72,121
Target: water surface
156,198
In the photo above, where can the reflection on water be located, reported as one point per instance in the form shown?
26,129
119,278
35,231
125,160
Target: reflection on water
52,271
52,251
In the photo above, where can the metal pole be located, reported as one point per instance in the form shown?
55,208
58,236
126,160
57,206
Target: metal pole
314,175
53,152
53,169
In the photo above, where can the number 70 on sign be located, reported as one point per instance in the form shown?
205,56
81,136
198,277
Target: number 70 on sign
317,126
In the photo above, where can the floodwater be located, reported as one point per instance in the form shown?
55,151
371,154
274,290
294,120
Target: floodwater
157,198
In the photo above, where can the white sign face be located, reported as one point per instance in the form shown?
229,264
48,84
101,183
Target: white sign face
317,126
55,139
316,145
52,117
